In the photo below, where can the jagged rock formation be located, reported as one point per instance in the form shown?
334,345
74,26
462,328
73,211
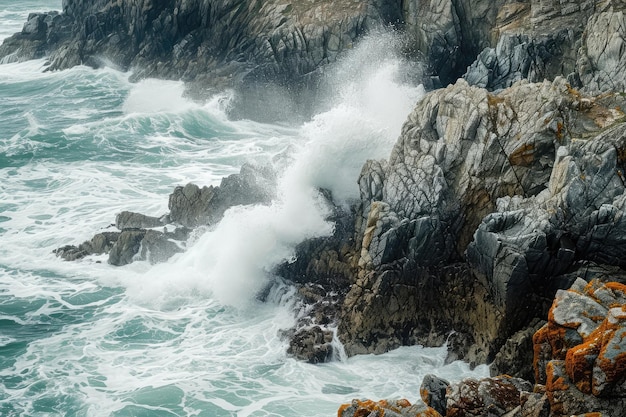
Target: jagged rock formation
579,353
218,43
492,200
190,207
238,43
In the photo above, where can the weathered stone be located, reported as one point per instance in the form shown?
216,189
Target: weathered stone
213,44
601,64
192,206
534,405
99,244
130,220
485,397
313,345
433,393
579,353
126,247
388,408
515,358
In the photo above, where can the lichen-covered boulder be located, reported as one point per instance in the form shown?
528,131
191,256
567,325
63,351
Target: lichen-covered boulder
433,392
485,397
388,408
580,354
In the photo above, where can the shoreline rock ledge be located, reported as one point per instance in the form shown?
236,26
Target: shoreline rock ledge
579,363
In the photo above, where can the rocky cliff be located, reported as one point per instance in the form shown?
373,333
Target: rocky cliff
227,43
214,44
504,188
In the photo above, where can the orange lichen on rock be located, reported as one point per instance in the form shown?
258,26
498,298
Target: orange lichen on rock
580,360
366,408
555,381
403,403
616,286
610,365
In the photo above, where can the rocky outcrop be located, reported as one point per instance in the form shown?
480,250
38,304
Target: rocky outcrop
130,244
214,43
192,206
250,44
38,38
389,408
496,201
579,353
579,363
156,239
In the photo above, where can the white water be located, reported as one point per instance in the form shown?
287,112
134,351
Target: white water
185,338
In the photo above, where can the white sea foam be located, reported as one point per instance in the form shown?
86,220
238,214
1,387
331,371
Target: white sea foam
157,96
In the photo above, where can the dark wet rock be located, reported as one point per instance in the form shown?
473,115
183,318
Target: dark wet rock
515,358
99,244
39,36
139,239
144,245
485,397
192,206
328,262
313,345
126,247
215,44
433,392
131,220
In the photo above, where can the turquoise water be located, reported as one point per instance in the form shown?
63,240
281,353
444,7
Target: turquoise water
185,338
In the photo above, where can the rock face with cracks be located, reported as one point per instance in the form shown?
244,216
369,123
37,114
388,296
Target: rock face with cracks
494,200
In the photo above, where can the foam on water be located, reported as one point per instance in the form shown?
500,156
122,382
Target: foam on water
186,338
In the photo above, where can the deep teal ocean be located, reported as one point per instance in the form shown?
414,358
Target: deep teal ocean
188,337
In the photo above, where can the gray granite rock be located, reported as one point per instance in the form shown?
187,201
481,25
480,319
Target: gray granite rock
192,206
524,185
433,392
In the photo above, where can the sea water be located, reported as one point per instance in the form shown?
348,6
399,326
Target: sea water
187,337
